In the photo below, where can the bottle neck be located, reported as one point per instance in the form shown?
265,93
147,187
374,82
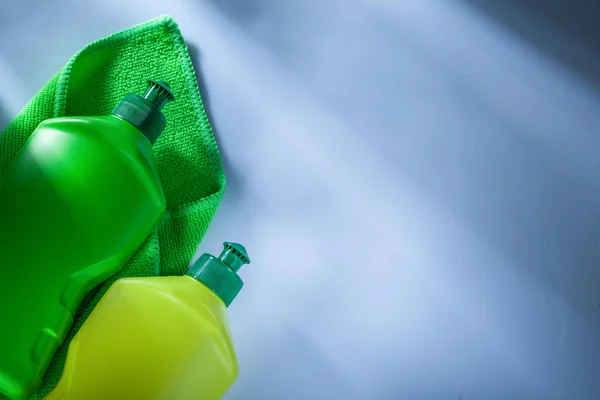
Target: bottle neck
217,276
142,114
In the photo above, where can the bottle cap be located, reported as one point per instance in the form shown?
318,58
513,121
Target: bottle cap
143,112
220,274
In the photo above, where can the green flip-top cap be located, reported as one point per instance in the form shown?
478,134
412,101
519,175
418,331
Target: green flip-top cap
220,274
143,112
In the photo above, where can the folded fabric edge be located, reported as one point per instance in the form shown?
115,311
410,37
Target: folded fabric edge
196,99
187,208
60,98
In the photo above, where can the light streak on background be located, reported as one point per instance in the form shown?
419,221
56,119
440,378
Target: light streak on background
417,183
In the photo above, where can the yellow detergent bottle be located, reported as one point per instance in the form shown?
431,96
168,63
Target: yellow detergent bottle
159,337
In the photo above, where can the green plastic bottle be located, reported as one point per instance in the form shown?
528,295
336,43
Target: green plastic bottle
75,204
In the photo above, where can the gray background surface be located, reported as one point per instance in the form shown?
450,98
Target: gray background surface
416,182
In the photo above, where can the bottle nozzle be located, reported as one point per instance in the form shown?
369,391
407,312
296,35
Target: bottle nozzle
234,255
158,93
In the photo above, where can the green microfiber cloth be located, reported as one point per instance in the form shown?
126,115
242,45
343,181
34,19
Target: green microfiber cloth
92,83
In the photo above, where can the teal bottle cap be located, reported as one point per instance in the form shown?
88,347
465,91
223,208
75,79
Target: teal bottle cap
143,112
220,274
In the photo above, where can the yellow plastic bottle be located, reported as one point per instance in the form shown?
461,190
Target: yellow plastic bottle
159,337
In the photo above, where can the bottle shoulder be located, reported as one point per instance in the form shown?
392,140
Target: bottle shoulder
106,127
172,294
77,123
153,325
168,307
99,143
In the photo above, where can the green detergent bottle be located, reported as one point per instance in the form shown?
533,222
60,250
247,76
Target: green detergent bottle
75,204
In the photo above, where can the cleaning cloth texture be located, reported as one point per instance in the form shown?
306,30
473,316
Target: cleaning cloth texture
188,160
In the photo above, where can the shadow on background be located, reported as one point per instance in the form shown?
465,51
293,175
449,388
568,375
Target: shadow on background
293,365
4,119
568,31
241,10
